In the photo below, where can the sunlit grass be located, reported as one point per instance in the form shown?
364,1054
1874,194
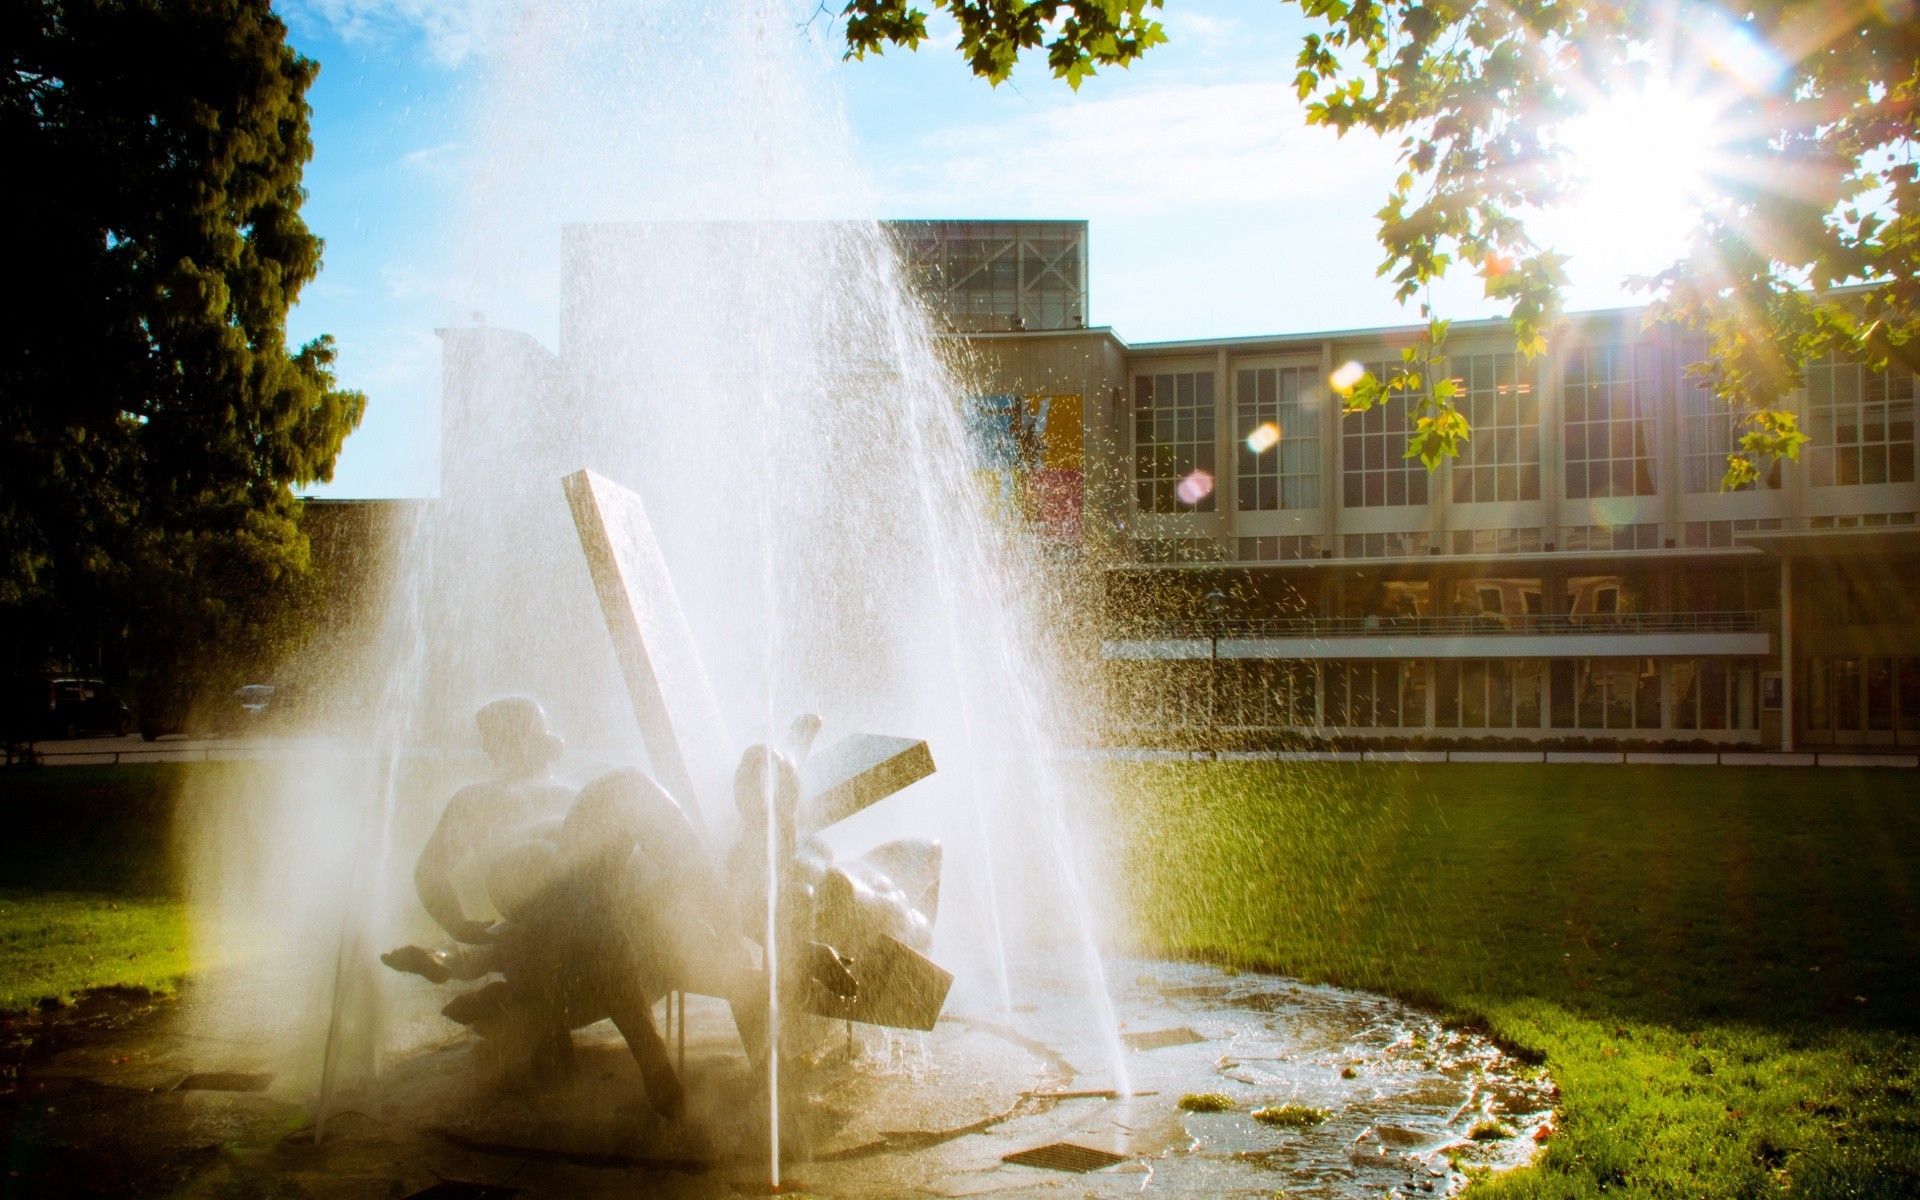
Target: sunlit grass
55,945
88,892
1721,967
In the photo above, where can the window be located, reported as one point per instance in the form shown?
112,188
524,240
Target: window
1606,693
1863,695
1283,548
1609,394
1177,550
1497,597
1258,694
1866,521
1374,695
1861,599
1492,694
1588,538
1497,541
1385,545
1284,473
1861,423
1710,431
1501,461
1172,439
1718,535
1376,472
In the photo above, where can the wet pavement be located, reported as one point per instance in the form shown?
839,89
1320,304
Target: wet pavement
117,1099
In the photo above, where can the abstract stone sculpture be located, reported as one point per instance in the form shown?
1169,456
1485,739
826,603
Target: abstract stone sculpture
896,984
622,900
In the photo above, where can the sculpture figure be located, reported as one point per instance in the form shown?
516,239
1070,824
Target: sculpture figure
605,908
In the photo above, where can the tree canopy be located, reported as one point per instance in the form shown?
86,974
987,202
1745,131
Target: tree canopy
1809,244
156,421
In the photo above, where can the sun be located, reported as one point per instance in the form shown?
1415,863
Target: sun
1644,164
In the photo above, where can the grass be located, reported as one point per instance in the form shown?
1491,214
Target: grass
88,897
1719,967
1294,1116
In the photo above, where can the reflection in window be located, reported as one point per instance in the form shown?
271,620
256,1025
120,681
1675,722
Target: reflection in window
1172,438
1489,694
1861,423
1702,694
1602,595
1496,597
1608,393
1501,460
1710,431
1872,694
1617,693
1286,473
1258,694
1374,695
1376,472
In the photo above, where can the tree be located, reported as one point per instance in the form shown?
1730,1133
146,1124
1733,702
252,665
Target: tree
1811,245
156,421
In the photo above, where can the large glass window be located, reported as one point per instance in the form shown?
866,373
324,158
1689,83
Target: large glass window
1609,394
1278,428
1259,694
1700,693
1863,695
1861,424
1710,431
1172,440
1606,693
1375,469
1501,460
1374,695
1491,694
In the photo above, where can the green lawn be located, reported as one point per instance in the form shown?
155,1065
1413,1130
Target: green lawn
1720,966
88,897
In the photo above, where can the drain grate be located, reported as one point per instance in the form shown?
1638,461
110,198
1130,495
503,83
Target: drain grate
1065,1156
1154,1039
224,1081
454,1189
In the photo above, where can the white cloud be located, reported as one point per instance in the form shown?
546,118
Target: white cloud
1164,149
453,30
446,161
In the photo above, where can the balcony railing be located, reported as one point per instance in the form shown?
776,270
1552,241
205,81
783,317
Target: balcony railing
1482,624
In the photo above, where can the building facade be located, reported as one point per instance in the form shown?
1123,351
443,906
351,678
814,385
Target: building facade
1276,567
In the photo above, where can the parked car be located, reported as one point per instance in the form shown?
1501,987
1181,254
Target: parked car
66,708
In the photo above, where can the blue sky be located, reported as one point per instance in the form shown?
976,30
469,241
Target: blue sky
1215,210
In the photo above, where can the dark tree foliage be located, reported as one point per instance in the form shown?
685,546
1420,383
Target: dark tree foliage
155,420
1810,246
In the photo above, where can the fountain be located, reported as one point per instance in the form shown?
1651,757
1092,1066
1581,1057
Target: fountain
768,511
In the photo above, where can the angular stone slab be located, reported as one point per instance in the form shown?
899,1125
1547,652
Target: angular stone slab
899,988
673,700
857,771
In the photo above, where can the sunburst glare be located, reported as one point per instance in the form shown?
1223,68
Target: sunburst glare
1645,163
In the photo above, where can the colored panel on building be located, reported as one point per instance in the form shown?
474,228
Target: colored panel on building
992,423
1053,502
1060,431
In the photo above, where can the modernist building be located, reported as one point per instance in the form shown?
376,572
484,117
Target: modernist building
1273,566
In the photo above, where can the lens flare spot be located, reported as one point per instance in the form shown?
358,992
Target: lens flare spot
1194,488
1346,377
1264,438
